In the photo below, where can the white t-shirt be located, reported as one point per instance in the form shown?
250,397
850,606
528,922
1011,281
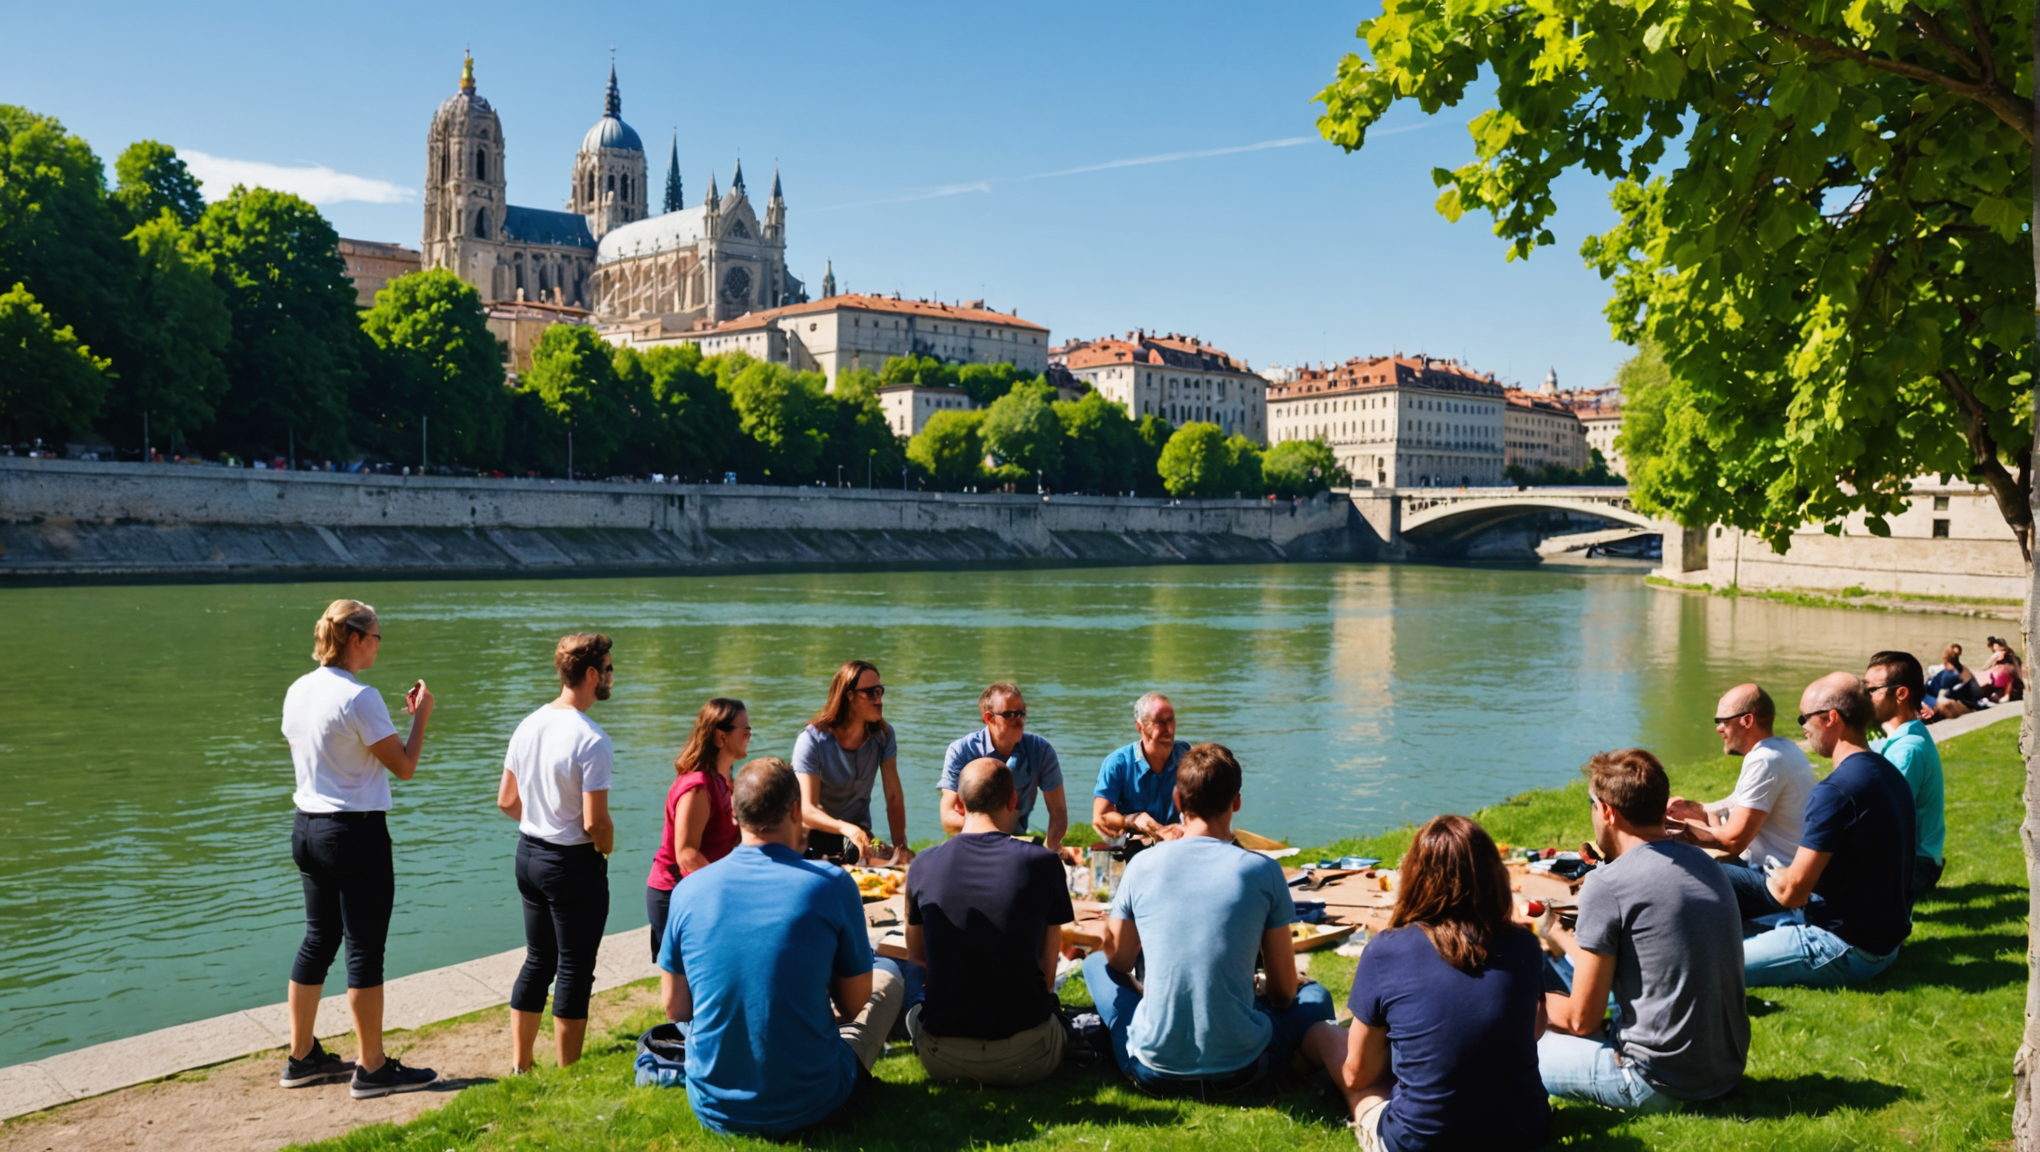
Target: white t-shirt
330,719
1776,779
557,754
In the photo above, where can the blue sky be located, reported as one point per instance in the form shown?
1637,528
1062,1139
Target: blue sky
1100,168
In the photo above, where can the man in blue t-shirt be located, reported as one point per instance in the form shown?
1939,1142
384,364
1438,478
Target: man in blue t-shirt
1895,682
1031,759
1198,910
767,955
1856,854
1136,789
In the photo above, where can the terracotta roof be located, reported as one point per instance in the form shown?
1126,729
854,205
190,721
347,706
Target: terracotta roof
919,309
1539,401
1172,351
1370,373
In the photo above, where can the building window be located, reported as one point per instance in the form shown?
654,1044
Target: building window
482,224
481,164
1940,529
1940,503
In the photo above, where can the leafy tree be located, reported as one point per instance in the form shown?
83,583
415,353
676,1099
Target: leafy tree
949,449
1243,475
917,370
1022,432
986,383
1154,434
573,375
1302,468
688,424
50,384
1102,448
1838,268
179,332
1195,461
857,382
782,413
438,363
1648,403
151,179
1557,475
294,359
860,440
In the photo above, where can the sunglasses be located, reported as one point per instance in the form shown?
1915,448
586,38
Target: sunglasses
1805,716
1010,714
875,692
1721,720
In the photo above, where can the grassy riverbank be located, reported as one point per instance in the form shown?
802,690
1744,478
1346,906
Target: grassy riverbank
1919,1058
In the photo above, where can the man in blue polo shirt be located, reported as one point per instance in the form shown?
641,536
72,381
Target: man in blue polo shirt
1896,682
1031,759
1136,789
767,955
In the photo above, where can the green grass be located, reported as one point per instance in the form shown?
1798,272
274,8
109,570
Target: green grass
1918,1058
1853,596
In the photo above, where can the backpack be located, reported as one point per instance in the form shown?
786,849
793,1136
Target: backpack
662,1058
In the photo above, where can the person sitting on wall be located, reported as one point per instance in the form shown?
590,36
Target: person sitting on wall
1894,681
1032,760
1856,854
1761,819
1136,790
767,955
985,914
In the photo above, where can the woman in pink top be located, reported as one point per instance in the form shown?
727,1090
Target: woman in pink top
700,827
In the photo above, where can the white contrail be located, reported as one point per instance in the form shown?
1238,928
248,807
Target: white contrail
315,182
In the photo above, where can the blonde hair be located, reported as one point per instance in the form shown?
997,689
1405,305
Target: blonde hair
329,635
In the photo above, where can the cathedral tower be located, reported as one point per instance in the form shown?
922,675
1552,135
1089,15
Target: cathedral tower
609,170
464,201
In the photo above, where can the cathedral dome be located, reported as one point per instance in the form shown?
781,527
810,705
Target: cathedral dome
610,132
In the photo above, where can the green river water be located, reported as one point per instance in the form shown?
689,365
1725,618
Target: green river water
145,874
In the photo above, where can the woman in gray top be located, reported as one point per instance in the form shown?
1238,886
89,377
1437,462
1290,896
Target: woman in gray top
839,755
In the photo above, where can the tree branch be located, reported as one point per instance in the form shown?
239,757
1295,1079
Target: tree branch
1930,27
1979,31
1983,449
2007,105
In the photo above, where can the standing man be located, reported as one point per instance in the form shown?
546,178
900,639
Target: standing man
1896,682
1856,854
985,915
1136,789
1031,759
1761,819
1659,927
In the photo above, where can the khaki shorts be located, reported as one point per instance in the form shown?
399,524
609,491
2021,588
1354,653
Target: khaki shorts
1022,1058
1367,1125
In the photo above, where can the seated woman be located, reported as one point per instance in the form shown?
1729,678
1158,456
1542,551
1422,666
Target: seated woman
1952,690
846,749
2004,676
1450,997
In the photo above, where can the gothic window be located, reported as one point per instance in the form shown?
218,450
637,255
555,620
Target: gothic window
738,229
482,224
442,162
481,164
626,189
611,183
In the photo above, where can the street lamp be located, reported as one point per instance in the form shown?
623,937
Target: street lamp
839,475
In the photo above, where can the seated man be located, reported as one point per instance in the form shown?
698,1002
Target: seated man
985,915
1856,854
1952,689
1895,681
1659,927
767,955
1761,819
1005,738
1136,789
1203,909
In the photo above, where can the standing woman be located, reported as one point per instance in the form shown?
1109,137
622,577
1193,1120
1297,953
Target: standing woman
556,786
839,755
344,748
701,827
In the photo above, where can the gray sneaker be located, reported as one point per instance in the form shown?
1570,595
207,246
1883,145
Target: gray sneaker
317,1067
389,1079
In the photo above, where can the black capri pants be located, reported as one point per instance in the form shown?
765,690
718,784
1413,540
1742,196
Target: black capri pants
566,907
350,887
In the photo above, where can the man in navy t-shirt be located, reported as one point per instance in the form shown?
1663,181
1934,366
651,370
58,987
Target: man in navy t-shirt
1856,854
764,953
985,914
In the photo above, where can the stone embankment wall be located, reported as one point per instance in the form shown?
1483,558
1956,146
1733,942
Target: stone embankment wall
69,520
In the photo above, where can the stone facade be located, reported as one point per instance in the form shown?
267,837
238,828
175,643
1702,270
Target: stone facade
1541,429
371,265
1397,421
1177,378
907,407
689,270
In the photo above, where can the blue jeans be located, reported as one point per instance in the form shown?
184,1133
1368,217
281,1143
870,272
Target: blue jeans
1584,1068
1804,954
1752,890
1115,999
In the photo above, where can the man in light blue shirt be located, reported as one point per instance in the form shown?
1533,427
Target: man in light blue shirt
1031,759
1136,789
1896,683
1198,910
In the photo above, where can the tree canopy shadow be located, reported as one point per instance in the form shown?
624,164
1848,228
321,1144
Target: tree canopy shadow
943,1117
1988,921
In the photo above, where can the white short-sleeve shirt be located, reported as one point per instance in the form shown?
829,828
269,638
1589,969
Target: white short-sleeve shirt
1776,779
330,719
556,755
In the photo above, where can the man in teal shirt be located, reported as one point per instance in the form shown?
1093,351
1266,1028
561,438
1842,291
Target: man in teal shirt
1896,682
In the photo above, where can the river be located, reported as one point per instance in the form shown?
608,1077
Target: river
145,874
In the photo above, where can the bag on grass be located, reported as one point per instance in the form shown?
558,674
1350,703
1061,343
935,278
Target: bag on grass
662,1058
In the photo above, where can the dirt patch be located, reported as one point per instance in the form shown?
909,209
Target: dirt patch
237,1107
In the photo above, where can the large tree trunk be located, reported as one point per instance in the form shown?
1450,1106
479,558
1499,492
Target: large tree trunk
2025,1084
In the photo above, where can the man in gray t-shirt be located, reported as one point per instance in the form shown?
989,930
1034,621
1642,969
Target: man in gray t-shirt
1659,928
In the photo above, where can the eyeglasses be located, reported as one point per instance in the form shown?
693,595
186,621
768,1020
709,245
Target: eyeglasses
1719,721
1010,714
608,669
1879,687
1805,716
875,692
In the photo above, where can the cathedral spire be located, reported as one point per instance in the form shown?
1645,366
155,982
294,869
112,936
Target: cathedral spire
737,177
775,183
673,203
467,74
710,199
612,103
828,279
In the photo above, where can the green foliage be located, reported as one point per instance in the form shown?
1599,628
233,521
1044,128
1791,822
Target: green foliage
1154,433
1102,449
50,384
786,414
437,362
573,376
925,370
151,180
1302,468
1023,433
987,383
857,382
687,424
950,449
1839,266
860,443
1554,475
1197,462
179,331
1243,476
295,356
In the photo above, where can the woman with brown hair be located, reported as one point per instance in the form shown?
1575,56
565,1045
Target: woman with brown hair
701,828
1450,997
841,753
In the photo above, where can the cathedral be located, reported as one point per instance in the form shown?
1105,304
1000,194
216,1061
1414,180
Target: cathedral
686,267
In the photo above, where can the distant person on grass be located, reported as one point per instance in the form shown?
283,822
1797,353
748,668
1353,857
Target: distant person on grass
700,828
1659,928
1197,910
1895,681
1447,1007
1952,690
767,957
556,786
1857,855
342,744
1762,818
985,914
1005,738
1136,790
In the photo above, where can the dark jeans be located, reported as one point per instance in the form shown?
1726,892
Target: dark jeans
658,902
1752,894
350,886
566,906
1926,876
1115,999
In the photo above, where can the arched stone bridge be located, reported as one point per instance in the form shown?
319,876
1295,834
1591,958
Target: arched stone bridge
1445,518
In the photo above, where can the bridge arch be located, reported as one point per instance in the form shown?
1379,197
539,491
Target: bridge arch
1454,515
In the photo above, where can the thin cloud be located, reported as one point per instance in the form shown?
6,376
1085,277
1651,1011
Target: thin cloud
315,182
1171,157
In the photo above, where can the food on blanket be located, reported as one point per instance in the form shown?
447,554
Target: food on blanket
873,884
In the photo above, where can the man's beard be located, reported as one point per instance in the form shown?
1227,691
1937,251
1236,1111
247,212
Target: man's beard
602,691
